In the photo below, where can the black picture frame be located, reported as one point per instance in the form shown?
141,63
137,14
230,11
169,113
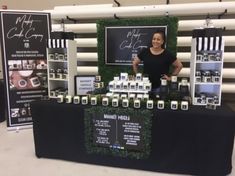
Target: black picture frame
122,43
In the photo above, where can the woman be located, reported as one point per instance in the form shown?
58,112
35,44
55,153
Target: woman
157,61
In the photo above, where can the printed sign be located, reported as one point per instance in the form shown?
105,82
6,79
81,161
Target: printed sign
23,38
124,42
84,84
118,131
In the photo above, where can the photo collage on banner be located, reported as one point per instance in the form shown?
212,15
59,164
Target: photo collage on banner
23,38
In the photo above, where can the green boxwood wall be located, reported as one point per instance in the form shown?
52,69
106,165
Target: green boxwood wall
109,71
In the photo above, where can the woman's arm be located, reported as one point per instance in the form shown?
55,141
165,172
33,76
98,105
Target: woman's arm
135,63
177,66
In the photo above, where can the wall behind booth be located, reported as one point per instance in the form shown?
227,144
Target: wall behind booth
45,4
84,25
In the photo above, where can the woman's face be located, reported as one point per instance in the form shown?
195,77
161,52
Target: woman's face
157,40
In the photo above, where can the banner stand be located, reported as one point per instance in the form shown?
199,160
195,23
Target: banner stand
24,38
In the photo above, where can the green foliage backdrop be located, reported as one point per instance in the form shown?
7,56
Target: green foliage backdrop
109,71
144,114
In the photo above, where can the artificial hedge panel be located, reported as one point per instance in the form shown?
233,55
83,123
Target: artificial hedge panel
146,118
109,71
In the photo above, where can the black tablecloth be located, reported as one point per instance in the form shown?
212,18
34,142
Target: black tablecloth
2,103
197,142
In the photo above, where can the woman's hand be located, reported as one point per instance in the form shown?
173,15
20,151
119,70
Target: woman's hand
168,78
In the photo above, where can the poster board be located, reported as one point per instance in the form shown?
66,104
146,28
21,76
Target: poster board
23,41
84,84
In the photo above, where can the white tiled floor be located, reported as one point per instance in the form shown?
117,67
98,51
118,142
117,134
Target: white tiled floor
17,158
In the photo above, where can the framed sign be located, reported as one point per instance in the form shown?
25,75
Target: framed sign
122,43
84,84
118,131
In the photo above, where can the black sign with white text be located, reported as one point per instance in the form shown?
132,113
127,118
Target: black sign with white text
118,131
123,43
23,40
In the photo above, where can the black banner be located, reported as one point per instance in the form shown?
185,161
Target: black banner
125,42
23,38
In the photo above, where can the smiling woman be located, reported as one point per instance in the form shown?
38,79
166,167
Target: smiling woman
157,61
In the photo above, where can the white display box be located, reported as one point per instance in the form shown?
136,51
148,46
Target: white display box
118,85
60,98
206,78
97,85
123,96
105,101
136,103
101,84
93,101
140,86
125,103
215,78
147,86
76,100
133,85
139,96
116,96
184,105
115,102
111,85
125,85
173,78
52,75
109,94
199,57
124,76
60,56
198,79
160,104
209,100
145,79
138,77
174,105
131,97
51,56
149,104
146,97
68,99
116,78
84,100
97,78
163,82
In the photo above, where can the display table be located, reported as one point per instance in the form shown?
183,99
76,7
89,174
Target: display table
197,142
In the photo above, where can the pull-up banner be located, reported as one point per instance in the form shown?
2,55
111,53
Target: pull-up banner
23,40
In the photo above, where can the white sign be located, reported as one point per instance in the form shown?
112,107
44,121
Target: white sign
84,84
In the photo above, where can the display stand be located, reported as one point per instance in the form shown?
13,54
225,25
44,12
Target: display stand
62,67
206,66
